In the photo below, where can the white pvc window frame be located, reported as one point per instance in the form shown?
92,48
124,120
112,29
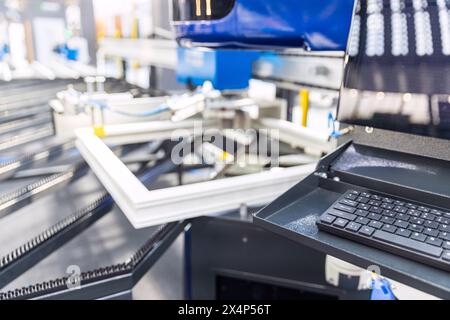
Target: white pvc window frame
145,208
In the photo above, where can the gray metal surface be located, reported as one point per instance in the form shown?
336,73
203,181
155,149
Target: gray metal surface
304,69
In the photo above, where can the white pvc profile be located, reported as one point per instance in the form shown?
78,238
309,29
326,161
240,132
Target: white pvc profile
145,208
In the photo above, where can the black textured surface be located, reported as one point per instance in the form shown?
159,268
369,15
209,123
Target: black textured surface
407,143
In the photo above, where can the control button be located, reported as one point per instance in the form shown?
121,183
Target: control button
419,237
344,208
408,243
340,223
327,219
353,227
367,231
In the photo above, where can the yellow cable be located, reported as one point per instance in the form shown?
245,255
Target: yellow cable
304,104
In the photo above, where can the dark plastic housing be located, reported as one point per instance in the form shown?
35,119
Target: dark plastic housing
363,168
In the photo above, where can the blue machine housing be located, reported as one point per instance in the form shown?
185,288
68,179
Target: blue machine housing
226,69
314,24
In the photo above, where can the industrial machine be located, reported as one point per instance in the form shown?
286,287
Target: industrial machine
201,163
252,23
381,200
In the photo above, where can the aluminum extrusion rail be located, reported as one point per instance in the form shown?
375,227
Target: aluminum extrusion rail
23,124
105,281
23,258
38,134
32,252
20,198
24,113
10,168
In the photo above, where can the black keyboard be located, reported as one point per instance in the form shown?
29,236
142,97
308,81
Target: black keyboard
411,230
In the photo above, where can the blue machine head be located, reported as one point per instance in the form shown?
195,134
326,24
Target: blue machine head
316,25
225,69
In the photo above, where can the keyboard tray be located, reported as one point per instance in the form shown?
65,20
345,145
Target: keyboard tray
294,216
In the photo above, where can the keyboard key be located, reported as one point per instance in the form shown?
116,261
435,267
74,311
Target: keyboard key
389,228
443,220
363,206
428,216
446,256
340,223
376,224
404,233
417,221
389,213
341,214
401,224
351,197
362,220
400,209
419,237
431,224
377,210
414,213
436,212
388,220
403,217
361,213
327,219
367,231
344,208
444,236
353,192
347,202
415,228
408,243
423,209
374,203
434,241
362,200
354,227
431,232
374,216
